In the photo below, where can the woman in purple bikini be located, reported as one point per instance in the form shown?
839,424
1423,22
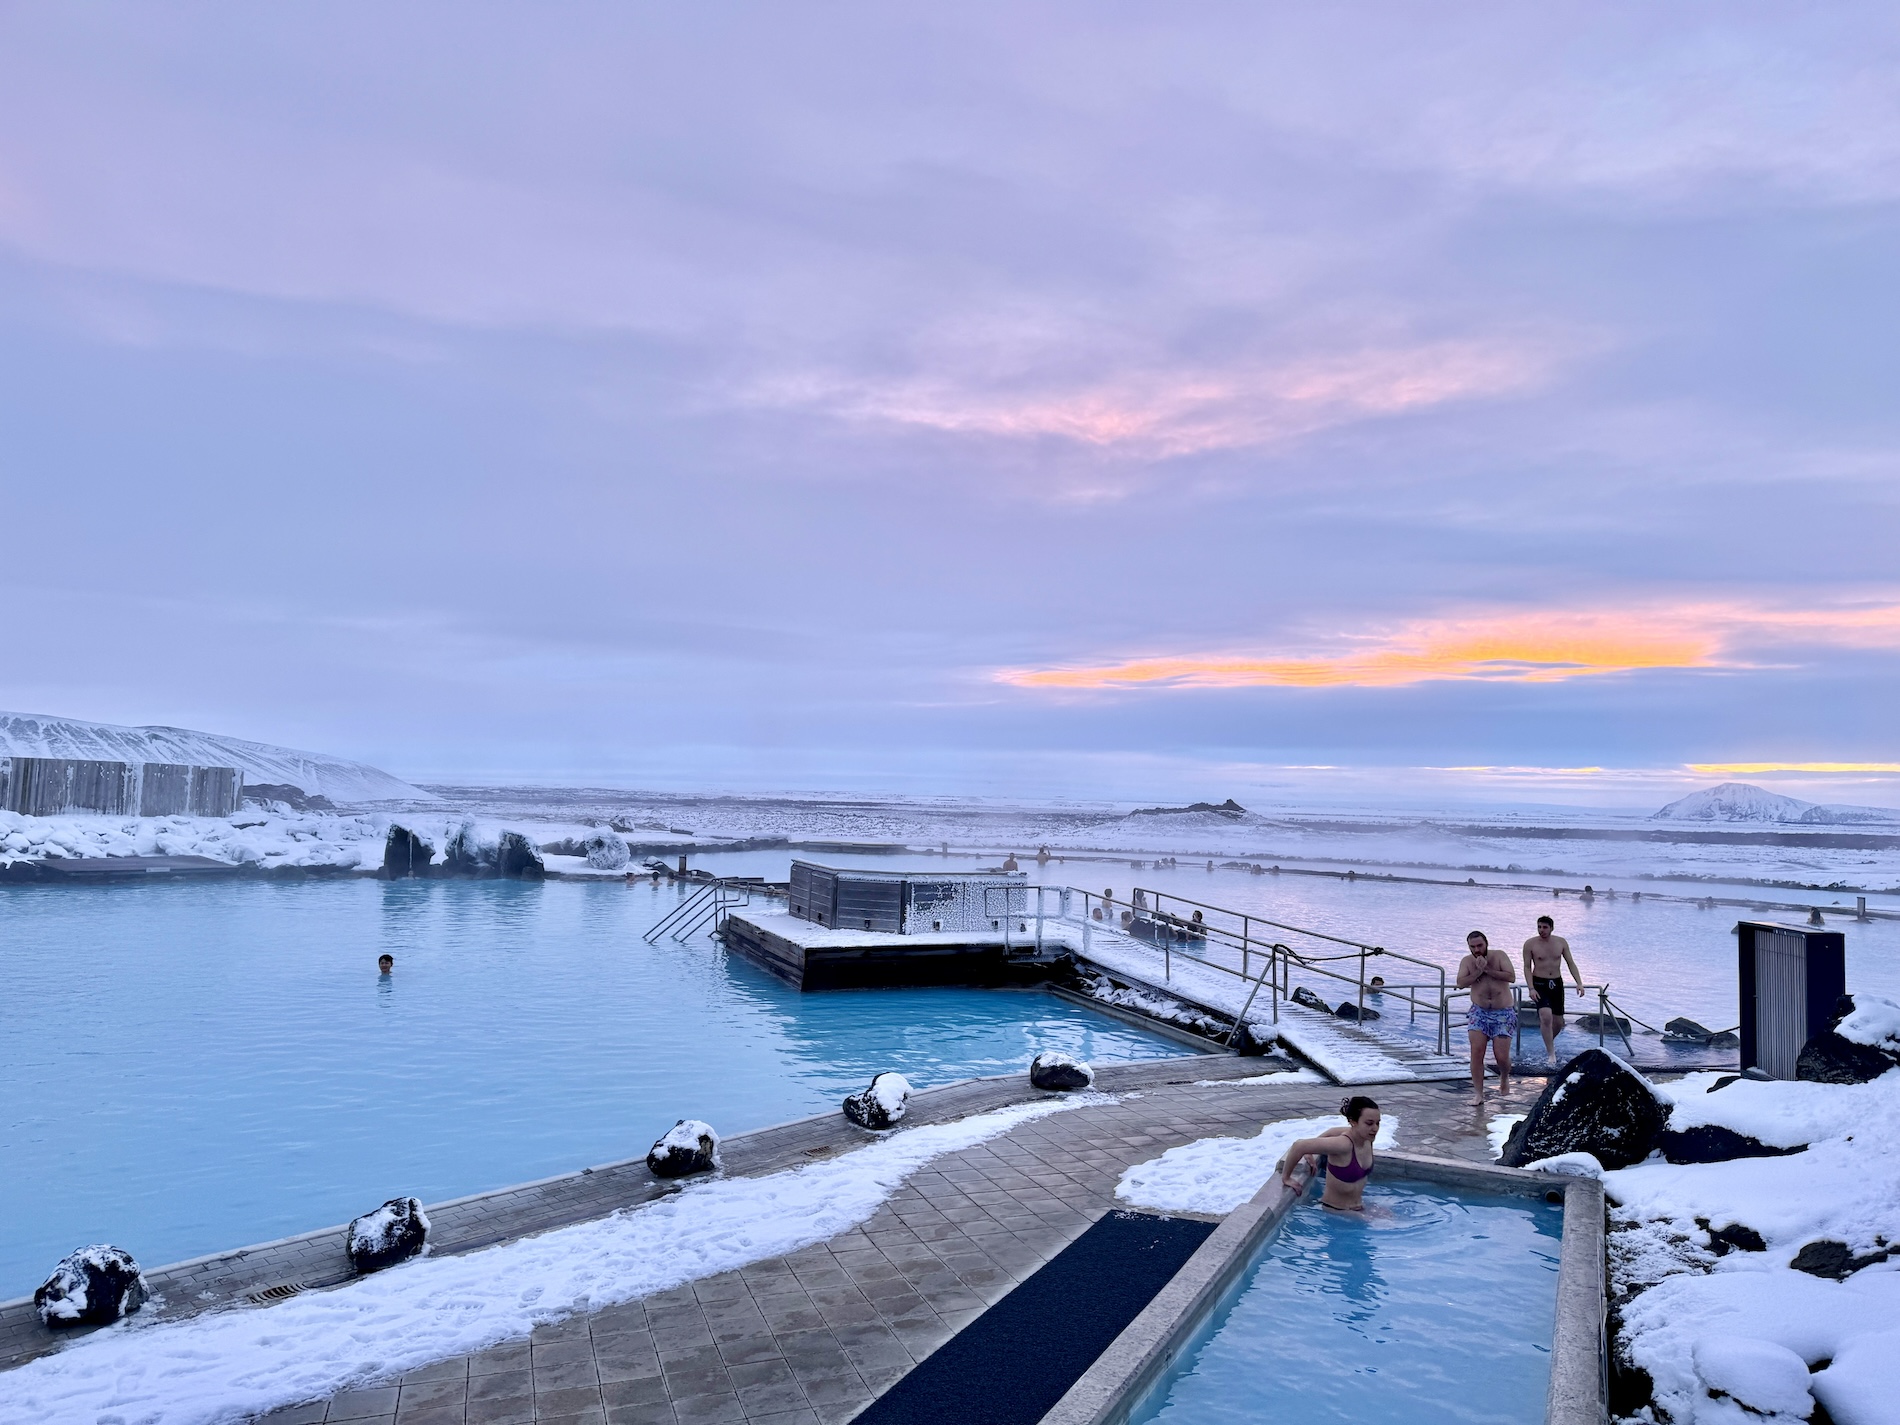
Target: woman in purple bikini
1343,1155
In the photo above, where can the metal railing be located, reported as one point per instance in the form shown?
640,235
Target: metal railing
707,906
1146,917
1023,916
1608,1020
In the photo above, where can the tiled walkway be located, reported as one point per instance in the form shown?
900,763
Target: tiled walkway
813,1337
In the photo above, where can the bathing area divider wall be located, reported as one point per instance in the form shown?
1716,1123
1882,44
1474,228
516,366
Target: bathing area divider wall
50,786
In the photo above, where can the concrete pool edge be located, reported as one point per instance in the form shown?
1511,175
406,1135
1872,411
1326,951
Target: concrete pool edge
1110,1389
315,1259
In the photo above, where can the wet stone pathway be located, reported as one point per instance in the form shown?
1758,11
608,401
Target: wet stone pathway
811,1338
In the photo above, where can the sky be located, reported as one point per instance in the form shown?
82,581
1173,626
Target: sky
1096,400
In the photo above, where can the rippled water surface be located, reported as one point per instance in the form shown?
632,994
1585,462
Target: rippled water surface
188,1068
1425,1309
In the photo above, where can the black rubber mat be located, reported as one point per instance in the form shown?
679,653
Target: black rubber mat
1016,1360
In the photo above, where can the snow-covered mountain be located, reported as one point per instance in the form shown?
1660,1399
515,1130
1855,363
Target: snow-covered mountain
31,735
1742,801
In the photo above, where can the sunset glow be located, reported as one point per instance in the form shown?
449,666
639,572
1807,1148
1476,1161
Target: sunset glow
1511,648
1521,650
1751,769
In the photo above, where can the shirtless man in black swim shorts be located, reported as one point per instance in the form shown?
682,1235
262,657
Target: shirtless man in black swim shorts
1545,956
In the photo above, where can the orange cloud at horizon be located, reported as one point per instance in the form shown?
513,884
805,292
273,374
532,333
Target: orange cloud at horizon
1510,648
1749,769
1517,650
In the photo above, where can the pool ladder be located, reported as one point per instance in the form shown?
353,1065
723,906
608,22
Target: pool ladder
708,906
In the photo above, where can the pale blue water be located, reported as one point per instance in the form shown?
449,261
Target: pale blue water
189,1068
1661,958
1425,1309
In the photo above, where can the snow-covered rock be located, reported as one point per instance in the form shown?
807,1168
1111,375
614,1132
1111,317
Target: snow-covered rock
1789,1250
393,1233
1760,1376
689,1146
1595,1104
406,854
1862,1043
881,1104
92,1287
35,735
1055,1070
1302,995
606,851
509,855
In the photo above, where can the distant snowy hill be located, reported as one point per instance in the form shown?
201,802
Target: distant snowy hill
1740,801
30,735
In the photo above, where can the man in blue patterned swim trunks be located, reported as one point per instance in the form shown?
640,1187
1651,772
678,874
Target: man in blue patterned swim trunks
1487,973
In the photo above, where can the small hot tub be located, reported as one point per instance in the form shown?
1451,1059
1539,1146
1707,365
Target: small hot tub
1432,1306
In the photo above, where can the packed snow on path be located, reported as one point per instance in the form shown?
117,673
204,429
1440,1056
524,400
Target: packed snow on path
1715,1332
1217,1175
226,1366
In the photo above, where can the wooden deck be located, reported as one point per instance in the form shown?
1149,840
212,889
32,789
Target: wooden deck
814,957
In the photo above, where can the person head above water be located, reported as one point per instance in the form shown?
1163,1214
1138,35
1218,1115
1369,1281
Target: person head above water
385,963
1377,982
1545,925
1361,1114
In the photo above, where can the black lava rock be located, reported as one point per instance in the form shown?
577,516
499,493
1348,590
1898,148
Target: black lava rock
1247,1044
1349,1010
1302,995
1828,1258
1687,1031
689,1146
94,1286
1712,1143
1732,1238
517,860
1827,1058
512,857
881,1104
1831,1058
296,798
1595,1104
1594,1023
1060,1072
393,1233
405,854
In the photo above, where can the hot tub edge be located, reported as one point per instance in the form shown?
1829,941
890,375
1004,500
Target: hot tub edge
1578,1393
1108,1389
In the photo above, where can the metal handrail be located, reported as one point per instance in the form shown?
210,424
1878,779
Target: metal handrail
1280,957
713,901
